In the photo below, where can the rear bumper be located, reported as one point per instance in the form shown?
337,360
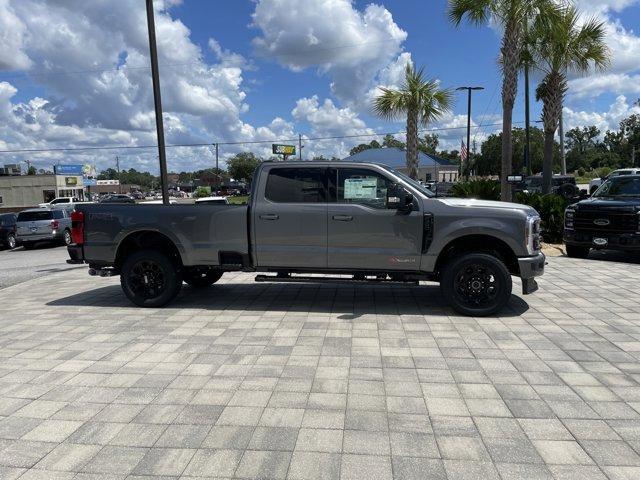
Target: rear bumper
615,241
531,267
76,254
45,237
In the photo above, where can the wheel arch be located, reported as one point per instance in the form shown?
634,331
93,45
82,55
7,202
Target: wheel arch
478,243
146,239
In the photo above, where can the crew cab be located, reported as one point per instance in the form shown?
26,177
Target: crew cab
351,221
610,219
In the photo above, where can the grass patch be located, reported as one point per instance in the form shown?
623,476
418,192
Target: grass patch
241,200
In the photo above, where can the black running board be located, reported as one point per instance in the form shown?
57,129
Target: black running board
301,279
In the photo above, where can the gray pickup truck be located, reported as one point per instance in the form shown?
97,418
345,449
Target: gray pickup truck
356,222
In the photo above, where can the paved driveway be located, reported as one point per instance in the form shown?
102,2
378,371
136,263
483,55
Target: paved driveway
250,380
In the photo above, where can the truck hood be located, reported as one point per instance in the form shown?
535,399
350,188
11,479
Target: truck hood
473,203
609,203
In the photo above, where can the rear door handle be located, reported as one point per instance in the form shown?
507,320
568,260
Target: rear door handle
269,216
342,218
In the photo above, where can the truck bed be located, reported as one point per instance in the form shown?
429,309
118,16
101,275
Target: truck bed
200,232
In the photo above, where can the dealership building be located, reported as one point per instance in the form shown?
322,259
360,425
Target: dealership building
18,192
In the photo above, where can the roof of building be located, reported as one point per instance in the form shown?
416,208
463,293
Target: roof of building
396,158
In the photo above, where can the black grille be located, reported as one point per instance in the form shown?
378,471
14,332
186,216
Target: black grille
621,222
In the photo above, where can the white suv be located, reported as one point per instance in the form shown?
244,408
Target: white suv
58,201
596,182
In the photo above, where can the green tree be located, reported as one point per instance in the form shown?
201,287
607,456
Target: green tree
242,166
421,100
429,144
32,170
513,17
561,43
365,146
389,141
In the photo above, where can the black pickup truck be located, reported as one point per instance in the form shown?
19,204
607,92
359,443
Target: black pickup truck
610,219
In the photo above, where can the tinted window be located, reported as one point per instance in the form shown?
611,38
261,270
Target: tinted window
296,185
35,216
60,200
7,220
363,187
620,186
58,214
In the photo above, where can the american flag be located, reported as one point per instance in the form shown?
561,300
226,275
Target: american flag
464,152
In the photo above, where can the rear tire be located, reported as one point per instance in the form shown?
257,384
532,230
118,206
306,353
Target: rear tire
476,284
150,279
202,279
574,251
11,241
66,238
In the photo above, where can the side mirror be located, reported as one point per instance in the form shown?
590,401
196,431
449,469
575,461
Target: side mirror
399,199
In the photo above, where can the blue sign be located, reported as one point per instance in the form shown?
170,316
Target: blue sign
67,169
90,182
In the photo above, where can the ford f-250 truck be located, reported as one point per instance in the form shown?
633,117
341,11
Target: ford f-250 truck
355,222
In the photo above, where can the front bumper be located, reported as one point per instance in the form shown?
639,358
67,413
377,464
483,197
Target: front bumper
615,241
531,267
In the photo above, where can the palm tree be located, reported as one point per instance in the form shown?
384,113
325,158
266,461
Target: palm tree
560,45
513,16
421,100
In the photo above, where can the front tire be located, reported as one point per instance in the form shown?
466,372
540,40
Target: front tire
574,251
476,284
150,279
202,279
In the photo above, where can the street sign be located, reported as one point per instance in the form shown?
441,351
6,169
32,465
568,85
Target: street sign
284,149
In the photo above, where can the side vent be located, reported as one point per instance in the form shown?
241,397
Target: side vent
234,260
427,236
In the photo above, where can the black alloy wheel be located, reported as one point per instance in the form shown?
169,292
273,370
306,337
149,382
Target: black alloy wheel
150,279
476,284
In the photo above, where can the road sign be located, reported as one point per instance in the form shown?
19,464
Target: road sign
284,149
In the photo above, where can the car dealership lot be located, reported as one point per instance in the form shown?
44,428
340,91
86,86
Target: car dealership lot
20,265
307,381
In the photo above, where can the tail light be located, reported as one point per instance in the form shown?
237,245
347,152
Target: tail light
77,227
54,224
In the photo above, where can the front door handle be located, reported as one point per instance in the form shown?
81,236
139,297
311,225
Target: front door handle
342,218
269,216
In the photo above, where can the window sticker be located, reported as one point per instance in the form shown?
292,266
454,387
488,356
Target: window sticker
360,188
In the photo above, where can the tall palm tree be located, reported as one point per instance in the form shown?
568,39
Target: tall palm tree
512,16
560,45
421,100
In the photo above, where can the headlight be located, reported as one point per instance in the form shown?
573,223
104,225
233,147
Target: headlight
532,234
568,219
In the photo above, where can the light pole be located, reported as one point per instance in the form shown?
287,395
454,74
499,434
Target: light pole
469,90
155,76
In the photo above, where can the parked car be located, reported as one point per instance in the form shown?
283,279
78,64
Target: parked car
43,225
564,185
610,219
361,219
596,182
212,201
117,198
137,196
8,230
59,201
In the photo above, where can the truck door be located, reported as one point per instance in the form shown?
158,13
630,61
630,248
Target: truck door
362,232
290,218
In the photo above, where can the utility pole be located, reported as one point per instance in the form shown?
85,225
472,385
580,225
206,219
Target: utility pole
217,171
118,170
527,122
155,76
633,155
300,146
563,157
469,90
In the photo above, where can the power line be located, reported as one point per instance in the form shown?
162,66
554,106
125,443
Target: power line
253,142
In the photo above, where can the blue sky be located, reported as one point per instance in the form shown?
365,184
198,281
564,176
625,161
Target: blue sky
76,73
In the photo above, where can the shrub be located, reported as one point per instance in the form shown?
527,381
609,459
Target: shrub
581,172
551,208
602,172
202,192
481,189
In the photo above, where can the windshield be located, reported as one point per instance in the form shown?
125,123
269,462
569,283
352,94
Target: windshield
421,188
621,186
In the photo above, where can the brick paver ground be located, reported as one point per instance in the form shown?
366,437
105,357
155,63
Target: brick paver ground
249,380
